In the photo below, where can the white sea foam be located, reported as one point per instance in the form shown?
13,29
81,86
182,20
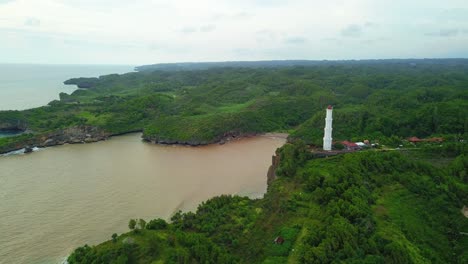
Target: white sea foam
20,151
14,152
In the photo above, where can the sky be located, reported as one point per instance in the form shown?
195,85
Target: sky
140,32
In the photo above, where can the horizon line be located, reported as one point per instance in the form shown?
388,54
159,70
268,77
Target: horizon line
228,61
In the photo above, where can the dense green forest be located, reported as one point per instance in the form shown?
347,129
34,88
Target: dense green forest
376,100
375,206
364,207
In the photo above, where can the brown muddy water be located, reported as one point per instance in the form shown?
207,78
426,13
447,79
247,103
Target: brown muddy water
59,198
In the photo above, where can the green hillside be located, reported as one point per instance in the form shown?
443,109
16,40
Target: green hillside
372,99
364,207
400,203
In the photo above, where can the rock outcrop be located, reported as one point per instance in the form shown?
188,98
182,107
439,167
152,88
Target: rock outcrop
222,139
83,83
71,135
271,175
28,149
13,126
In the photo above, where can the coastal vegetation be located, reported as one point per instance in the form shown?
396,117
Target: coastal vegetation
363,207
376,100
398,204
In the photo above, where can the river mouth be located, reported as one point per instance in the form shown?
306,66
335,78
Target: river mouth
70,195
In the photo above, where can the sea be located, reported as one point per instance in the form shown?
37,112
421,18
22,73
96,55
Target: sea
24,86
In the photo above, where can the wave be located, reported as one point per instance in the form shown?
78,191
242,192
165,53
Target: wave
20,151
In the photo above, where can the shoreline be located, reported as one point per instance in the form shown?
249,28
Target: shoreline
33,144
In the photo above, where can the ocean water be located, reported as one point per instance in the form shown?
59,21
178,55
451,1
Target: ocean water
24,86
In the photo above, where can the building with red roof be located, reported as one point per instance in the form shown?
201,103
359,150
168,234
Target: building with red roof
350,145
414,139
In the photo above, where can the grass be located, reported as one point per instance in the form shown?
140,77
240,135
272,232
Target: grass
232,108
405,217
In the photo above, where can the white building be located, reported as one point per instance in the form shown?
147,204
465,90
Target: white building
327,138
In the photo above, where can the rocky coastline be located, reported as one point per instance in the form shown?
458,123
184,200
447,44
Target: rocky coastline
225,138
13,126
271,174
89,134
71,135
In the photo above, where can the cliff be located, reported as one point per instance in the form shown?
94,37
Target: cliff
271,174
83,83
71,135
226,137
13,125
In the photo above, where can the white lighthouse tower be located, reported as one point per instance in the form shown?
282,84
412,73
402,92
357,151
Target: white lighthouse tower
327,138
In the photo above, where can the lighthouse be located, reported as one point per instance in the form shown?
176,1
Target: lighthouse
327,137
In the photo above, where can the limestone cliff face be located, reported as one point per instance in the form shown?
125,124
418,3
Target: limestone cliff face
71,135
221,139
13,126
271,175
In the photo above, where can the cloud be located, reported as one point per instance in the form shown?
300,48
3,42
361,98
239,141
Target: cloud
448,32
352,31
357,30
231,16
207,28
295,40
93,5
243,52
191,29
369,24
266,3
32,22
265,35
188,30
242,15
454,14
374,41
332,40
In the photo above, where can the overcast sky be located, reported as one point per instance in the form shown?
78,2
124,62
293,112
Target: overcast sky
153,31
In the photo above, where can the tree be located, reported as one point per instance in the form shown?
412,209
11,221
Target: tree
153,245
114,237
132,224
156,224
141,223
